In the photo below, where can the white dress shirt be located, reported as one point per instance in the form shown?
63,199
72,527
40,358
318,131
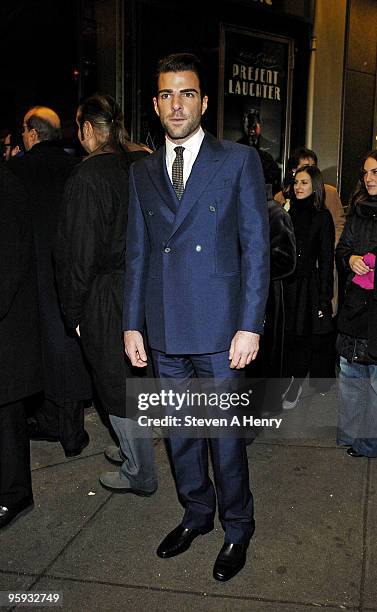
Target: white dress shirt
191,146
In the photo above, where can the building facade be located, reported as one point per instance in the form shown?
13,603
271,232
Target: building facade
307,66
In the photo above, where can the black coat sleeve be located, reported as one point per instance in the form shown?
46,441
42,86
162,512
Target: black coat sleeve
10,263
282,242
326,262
12,220
345,247
79,247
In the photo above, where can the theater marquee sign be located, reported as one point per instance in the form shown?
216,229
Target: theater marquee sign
255,82
256,79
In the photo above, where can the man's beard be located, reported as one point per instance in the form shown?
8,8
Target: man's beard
253,140
181,131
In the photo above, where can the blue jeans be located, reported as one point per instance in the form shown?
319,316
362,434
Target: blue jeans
357,419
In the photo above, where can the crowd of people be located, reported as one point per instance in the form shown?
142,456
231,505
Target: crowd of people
174,266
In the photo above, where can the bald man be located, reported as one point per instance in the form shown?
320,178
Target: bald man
40,124
43,170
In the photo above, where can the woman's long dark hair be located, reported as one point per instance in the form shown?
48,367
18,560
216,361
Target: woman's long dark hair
360,193
318,186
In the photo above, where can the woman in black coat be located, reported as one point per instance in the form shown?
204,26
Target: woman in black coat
357,323
20,358
90,256
308,292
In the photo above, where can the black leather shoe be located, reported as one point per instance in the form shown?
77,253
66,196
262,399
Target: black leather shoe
7,515
230,560
353,453
177,541
74,452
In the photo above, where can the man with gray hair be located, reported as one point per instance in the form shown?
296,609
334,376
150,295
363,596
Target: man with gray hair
43,170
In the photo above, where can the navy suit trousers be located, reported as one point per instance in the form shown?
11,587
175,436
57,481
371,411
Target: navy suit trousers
189,456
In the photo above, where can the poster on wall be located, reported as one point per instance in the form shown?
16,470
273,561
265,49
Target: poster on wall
255,92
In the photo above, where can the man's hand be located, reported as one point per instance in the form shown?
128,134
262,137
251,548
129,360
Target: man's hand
134,347
243,349
358,265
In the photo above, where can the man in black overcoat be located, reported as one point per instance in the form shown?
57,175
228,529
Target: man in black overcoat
20,359
43,171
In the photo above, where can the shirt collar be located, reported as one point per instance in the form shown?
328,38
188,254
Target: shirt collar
193,144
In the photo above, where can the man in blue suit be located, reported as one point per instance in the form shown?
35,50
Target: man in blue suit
197,275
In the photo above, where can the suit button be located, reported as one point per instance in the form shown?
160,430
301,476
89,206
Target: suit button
150,213
198,248
167,249
212,208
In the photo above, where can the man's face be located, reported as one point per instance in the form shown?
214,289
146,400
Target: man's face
7,147
252,129
179,105
80,133
28,136
304,161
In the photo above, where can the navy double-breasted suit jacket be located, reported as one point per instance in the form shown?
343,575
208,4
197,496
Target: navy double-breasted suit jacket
197,270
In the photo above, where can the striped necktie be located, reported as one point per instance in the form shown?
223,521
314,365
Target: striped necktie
177,172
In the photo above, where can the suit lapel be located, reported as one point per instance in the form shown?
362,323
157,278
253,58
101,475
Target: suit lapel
208,162
160,179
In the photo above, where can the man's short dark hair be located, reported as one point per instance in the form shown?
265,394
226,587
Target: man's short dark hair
301,153
180,62
252,114
44,129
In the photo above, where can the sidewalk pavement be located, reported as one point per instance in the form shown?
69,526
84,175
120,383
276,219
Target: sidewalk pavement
315,545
